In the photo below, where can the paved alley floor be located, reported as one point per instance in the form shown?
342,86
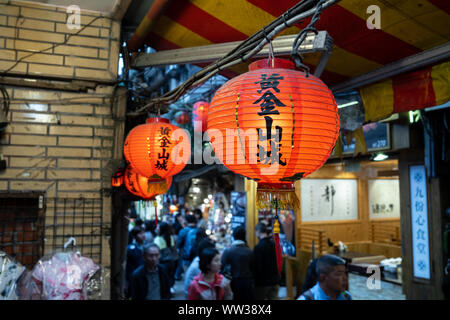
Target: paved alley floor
359,290
357,285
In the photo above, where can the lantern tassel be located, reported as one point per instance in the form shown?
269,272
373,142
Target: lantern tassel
276,231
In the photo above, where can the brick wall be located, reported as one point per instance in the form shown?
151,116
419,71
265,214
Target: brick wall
64,144
25,28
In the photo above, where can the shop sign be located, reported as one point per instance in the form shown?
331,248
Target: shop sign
419,219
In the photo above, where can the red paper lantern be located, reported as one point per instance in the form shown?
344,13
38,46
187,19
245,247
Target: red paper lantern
288,124
157,149
117,178
200,115
182,117
144,187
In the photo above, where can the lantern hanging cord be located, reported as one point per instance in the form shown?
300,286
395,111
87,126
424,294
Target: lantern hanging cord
298,59
245,50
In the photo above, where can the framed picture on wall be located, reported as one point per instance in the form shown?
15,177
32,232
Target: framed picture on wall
329,199
384,198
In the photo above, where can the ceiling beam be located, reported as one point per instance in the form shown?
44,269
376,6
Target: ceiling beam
416,61
206,54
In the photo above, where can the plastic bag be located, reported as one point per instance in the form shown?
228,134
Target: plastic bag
10,272
64,276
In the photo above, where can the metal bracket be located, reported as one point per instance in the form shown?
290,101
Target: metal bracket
325,41
206,54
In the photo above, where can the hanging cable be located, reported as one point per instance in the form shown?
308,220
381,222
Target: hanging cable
296,56
244,50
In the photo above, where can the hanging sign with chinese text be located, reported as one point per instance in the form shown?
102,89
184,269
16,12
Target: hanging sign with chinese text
419,220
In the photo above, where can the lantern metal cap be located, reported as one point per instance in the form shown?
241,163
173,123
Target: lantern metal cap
157,119
271,64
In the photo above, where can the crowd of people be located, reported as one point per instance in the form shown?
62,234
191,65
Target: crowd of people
159,254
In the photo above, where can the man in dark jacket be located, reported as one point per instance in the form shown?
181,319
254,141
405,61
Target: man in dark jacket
265,262
150,281
239,259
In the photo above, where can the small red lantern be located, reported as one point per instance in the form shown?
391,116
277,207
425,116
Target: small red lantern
182,117
157,149
117,178
144,187
200,115
288,123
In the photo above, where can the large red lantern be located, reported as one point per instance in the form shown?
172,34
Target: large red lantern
157,149
144,187
200,115
288,123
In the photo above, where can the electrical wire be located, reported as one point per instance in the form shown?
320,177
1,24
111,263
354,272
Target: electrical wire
243,51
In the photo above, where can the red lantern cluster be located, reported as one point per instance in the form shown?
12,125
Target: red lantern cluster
200,116
286,124
155,151
144,187
152,150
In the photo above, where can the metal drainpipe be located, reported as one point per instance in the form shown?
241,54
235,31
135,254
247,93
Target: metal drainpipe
144,27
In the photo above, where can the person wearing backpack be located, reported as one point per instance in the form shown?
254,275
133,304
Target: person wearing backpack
185,242
332,280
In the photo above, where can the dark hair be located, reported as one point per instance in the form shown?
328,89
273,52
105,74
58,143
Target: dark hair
139,222
199,236
135,231
165,232
239,233
204,243
191,219
261,227
147,246
206,256
326,263
198,212
150,225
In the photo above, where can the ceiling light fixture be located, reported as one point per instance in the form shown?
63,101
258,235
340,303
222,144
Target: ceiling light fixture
347,104
380,157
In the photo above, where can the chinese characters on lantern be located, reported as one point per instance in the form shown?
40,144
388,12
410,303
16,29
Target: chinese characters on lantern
268,103
419,220
164,142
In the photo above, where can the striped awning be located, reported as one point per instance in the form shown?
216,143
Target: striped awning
408,27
